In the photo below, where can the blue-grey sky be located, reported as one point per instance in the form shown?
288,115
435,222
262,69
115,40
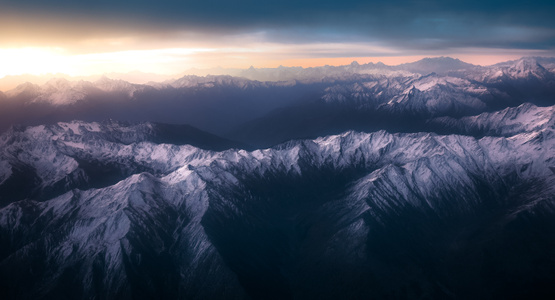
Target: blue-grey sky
224,30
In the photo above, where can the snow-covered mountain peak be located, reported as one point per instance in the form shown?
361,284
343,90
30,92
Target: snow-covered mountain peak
79,127
117,85
526,118
440,65
526,67
523,69
211,81
58,83
24,89
426,83
57,91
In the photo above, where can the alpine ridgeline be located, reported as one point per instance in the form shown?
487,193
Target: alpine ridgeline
455,202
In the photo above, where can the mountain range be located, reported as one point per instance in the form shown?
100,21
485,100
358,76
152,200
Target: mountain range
431,180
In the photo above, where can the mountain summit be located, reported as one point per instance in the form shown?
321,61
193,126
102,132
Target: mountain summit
440,65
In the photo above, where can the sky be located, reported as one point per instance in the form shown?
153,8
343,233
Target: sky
170,36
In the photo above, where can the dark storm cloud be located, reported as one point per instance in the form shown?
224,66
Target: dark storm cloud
405,24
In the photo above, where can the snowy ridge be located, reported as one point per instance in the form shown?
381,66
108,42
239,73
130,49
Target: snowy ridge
104,210
62,92
525,118
430,94
187,201
211,81
527,68
53,151
436,87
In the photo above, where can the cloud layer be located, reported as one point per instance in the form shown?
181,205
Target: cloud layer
285,29
402,23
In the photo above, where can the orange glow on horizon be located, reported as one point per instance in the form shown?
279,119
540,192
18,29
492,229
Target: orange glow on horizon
170,61
340,61
482,60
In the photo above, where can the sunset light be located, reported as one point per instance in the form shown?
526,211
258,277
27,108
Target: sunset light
276,150
34,61
52,60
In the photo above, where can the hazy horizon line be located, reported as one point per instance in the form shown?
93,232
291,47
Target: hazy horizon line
202,72
372,60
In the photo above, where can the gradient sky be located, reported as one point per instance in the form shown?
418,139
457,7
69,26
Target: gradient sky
169,36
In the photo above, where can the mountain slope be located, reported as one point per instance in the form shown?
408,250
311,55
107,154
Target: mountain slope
396,104
60,157
353,215
224,104
455,199
508,122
